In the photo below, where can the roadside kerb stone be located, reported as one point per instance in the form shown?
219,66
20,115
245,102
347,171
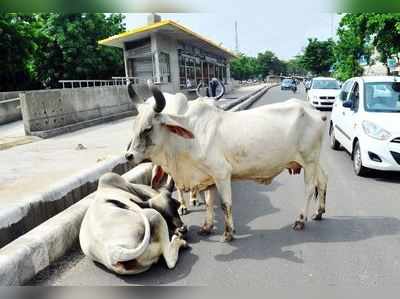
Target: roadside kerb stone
252,99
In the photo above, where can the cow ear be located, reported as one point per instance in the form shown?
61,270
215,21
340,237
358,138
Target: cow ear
173,125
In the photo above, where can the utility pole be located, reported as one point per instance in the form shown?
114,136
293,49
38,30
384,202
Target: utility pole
236,39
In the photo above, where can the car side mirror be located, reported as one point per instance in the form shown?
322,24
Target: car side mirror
348,104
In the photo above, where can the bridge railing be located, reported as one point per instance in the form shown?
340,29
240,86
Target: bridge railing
99,83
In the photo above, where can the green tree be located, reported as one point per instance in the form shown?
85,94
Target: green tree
244,67
68,48
318,56
295,66
362,33
350,46
269,64
16,52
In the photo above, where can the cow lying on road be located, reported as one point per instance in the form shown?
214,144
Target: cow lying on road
208,146
126,227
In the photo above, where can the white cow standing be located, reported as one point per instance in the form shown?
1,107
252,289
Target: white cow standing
177,104
207,146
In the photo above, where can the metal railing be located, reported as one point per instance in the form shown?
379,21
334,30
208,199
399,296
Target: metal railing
115,81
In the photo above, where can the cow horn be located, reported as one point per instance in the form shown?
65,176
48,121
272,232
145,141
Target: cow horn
159,99
133,93
221,94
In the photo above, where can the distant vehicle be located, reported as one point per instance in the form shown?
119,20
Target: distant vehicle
366,122
249,81
323,92
287,84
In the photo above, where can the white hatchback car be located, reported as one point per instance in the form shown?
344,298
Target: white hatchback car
365,120
323,92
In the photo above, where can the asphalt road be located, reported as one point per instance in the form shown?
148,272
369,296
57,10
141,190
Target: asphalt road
357,244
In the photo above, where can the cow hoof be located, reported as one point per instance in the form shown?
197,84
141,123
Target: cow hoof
317,217
298,225
185,244
205,230
227,237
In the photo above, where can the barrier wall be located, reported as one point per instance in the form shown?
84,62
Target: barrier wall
10,111
51,112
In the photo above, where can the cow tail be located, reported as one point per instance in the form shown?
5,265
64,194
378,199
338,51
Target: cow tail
118,253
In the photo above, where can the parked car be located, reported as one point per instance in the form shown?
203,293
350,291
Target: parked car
366,122
287,84
323,92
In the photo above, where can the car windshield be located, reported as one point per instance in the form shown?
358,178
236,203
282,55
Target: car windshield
287,81
381,97
325,84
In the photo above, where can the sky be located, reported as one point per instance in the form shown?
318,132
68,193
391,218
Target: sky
279,26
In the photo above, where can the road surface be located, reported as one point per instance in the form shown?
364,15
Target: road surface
357,244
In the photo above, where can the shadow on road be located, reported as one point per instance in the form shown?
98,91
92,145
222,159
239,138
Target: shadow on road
159,273
331,230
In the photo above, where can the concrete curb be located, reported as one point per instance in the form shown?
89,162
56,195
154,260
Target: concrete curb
33,210
25,257
253,98
239,100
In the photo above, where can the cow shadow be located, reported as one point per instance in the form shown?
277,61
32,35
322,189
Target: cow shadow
250,201
159,274
330,230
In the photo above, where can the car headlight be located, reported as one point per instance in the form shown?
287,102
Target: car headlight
315,98
375,131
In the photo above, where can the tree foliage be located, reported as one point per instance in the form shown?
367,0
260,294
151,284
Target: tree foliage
266,63
54,46
362,33
16,52
295,66
244,67
318,56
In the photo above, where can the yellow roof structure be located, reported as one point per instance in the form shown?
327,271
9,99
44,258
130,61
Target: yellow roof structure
167,26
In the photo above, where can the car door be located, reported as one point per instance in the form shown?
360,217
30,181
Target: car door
339,112
348,115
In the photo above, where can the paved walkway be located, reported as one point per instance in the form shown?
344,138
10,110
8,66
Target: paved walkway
33,167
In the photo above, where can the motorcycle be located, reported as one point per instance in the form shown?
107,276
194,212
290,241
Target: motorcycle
294,88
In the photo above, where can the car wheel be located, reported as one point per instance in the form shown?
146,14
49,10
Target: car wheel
334,144
359,169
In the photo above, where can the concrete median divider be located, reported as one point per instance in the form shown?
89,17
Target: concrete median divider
37,249
48,113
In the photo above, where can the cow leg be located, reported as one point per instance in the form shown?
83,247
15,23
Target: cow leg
183,209
309,181
322,182
170,249
225,192
208,225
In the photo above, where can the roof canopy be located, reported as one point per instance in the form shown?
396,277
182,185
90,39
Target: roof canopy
168,28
